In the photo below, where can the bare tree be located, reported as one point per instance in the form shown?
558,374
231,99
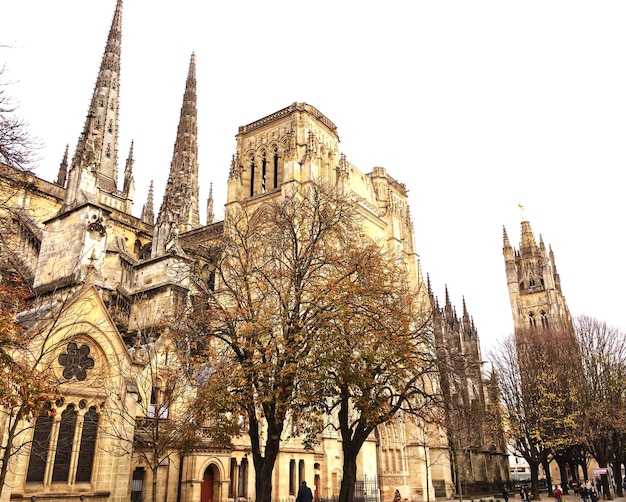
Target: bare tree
16,143
603,399
520,411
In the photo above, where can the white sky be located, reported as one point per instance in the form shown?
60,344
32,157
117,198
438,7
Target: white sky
474,105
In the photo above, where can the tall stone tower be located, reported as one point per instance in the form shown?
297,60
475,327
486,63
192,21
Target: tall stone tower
534,284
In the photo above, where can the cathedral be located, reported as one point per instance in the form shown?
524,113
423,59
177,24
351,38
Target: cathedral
105,282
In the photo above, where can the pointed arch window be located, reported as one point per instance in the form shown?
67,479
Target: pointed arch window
275,168
532,321
39,446
65,442
544,320
251,176
87,446
263,173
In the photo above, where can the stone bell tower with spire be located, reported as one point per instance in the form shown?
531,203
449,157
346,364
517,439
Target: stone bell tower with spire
91,191
534,284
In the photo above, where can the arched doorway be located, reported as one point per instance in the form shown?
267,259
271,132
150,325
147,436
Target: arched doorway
206,487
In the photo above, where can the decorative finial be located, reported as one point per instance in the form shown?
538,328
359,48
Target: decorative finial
521,209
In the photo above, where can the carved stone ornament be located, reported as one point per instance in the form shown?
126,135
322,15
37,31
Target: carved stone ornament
76,361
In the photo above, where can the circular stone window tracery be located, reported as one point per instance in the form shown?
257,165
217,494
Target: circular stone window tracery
76,361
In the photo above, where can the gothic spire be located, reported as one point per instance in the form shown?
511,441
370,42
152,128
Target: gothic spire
505,238
181,192
528,246
62,176
94,165
147,213
179,209
129,182
210,215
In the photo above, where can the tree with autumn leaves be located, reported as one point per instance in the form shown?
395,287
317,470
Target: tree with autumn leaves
304,315
25,386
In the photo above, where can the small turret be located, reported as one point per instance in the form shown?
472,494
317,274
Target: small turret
147,212
210,215
128,191
62,176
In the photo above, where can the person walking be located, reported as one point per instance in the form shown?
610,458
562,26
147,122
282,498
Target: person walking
584,491
523,494
304,493
505,493
557,493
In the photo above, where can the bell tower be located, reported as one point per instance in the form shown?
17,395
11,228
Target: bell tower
534,284
293,145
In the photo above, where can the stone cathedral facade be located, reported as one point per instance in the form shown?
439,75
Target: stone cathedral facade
106,281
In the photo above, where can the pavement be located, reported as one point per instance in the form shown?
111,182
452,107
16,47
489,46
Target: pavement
543,497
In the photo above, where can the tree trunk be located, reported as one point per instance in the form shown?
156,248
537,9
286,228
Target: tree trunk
617,475
546,469
607,493
155,470
346,492
534,480
563,472
7,454
264,464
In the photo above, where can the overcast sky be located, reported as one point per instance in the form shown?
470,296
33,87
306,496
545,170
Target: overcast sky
474,105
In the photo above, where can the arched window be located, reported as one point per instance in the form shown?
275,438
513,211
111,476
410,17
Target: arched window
137,487
39,447
263,173
65,441
275,168
544,320
87,446
301,474
532,320
292,477
251,176
242,488
233,477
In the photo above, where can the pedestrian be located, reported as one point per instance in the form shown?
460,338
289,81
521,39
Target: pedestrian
505,493
557,493
396,496
523,494
584,491
593,494
304,493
